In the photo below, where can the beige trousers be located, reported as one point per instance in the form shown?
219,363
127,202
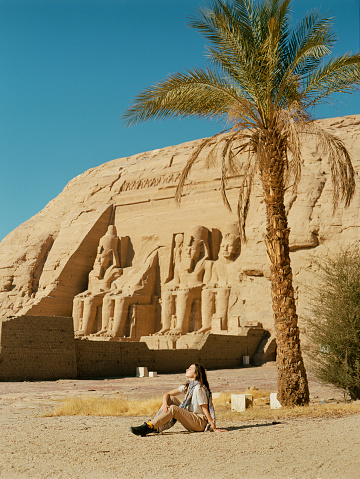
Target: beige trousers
190,420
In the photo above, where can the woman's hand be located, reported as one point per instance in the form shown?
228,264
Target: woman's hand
166,398
206,412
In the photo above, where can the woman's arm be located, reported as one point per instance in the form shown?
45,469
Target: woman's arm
207,414
166,396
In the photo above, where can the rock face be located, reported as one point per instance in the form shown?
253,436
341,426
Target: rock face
114,250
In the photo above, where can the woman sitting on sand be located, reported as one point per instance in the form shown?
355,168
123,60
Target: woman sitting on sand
195,413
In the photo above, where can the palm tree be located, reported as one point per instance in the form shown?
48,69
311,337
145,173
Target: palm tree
264,79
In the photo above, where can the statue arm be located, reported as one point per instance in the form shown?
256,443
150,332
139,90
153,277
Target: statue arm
116,259
208,273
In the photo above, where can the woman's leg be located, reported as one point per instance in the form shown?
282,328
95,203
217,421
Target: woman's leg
172,400
190,420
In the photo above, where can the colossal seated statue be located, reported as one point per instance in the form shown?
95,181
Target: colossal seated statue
215,294
181,293
106,269
121,302
129,307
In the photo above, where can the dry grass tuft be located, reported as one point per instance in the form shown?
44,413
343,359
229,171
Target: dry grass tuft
93,406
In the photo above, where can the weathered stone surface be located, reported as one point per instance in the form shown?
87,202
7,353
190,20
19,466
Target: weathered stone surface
37,348
45,262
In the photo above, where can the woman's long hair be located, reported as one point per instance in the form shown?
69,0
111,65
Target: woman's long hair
200,375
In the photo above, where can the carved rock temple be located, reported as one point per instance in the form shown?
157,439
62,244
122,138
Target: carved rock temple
112,274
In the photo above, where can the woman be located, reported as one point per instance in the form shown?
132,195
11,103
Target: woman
196,412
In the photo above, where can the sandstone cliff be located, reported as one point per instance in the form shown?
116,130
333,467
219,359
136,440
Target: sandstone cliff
46,261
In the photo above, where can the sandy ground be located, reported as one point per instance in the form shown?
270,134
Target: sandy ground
34,446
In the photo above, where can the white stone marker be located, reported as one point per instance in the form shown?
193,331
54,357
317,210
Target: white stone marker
142,372
246,360
274,403
239,402
152,374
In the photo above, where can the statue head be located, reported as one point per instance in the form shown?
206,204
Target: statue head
111,231
196,246
107,253
231,243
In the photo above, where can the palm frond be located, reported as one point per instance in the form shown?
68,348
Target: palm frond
226,164
228,27
339,75
211,158
235,51
197,93
243,115
311,40
189,164
306,47
293,123
245,193
339,158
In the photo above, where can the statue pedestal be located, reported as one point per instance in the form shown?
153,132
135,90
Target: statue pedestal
176,341
192,341
167,341
197,340
237,327
93,337
216,326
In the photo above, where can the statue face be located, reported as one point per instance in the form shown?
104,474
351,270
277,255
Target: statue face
193,248
230,246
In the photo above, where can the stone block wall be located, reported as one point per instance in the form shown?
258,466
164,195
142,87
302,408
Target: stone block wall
104,358
111,359
37,348
219,352
44,348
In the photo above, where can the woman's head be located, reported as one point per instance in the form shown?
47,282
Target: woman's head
197,372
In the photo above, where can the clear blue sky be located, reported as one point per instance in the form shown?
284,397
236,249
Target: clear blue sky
69,69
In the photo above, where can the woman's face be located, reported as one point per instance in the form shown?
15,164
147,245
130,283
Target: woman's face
190,372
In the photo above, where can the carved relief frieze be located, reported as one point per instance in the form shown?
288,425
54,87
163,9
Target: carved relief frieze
130,185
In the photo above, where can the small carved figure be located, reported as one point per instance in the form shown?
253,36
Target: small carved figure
105,270
179,241
215,295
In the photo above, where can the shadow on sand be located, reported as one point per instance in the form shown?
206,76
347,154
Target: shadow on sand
229,428
237,428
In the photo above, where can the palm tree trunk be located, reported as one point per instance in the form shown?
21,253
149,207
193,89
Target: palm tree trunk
292,380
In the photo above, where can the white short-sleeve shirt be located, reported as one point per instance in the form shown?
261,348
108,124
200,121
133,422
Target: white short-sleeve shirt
199,397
